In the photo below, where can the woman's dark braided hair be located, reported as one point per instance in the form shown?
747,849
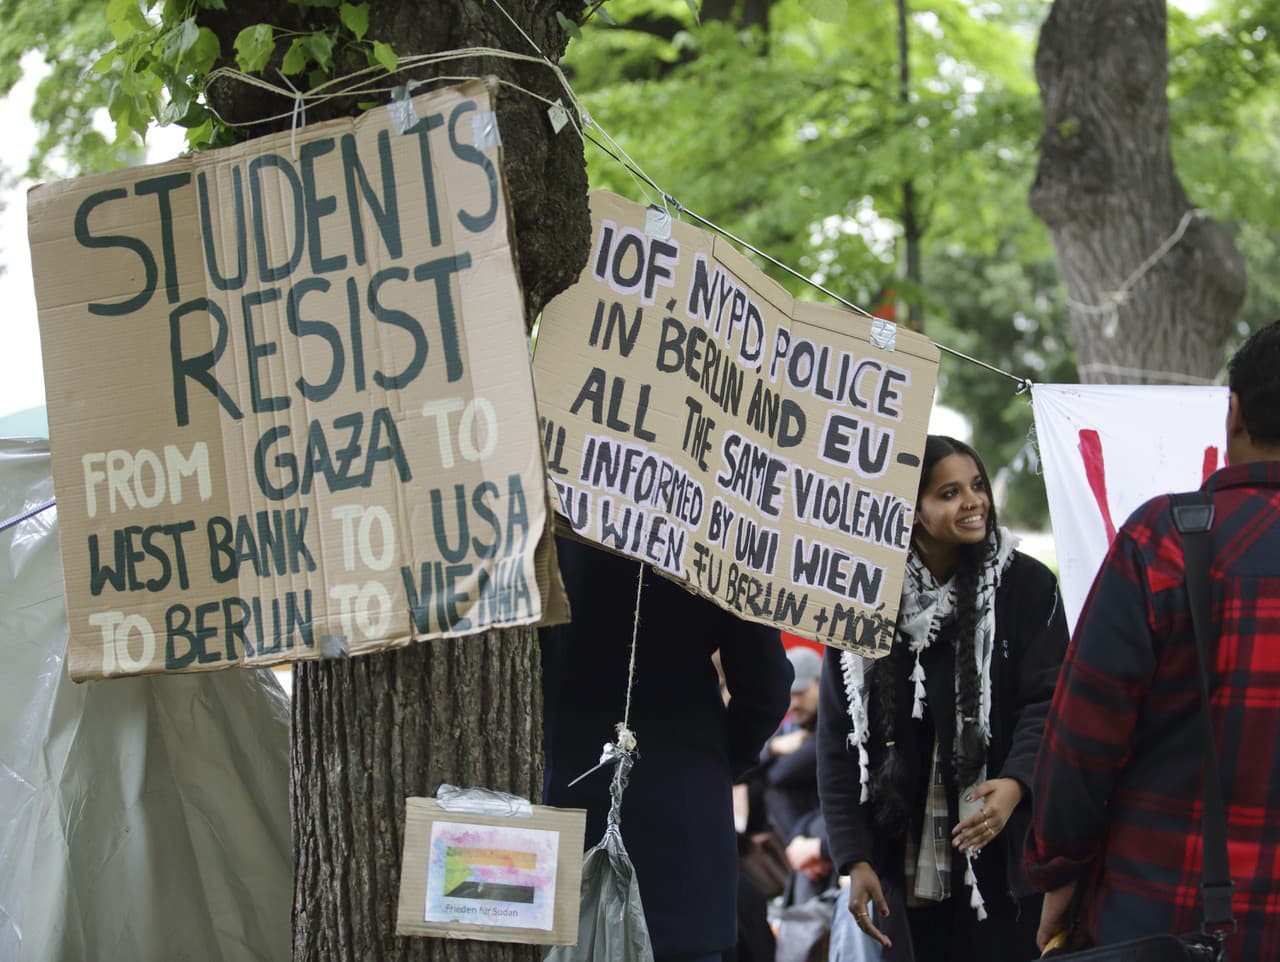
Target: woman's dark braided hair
968,754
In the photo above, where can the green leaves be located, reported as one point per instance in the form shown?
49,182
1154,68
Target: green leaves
355,17
177,41
568,26
384,55
254,46
125,19
204,52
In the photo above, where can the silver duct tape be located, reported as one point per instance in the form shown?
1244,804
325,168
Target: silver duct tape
484,130
334,646
403,117
483,801
657,222
884,334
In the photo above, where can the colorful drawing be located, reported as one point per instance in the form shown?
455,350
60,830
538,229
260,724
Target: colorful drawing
489,875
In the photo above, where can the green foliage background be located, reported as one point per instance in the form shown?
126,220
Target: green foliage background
788,130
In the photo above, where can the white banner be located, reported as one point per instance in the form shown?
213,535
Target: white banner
1108,448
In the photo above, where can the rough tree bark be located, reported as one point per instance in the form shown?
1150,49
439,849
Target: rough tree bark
372,730
1107,190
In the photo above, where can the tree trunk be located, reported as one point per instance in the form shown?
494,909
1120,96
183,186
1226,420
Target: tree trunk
912,234
369,731
1107,190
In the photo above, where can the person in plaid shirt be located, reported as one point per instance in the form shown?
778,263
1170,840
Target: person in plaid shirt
1118,781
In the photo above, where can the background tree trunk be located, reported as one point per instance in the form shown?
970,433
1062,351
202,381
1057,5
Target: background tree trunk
1107,190
369,731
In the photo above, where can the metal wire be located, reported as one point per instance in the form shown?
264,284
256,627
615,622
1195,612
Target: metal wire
1023,384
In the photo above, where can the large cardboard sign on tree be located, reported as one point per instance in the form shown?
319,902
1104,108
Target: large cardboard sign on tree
289,396
762,450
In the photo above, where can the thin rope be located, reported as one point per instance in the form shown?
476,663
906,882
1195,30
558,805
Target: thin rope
1110,306
17,519
626,738
1172,377
299,111
364,81
520,29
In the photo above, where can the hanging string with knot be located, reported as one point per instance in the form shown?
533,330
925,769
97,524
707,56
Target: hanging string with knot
626,737
622,751
625,746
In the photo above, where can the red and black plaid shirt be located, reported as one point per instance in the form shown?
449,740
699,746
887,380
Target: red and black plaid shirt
1118,785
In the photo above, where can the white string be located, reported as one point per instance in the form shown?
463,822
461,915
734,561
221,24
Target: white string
299,109
1109,309
364,81
1172,377
627,738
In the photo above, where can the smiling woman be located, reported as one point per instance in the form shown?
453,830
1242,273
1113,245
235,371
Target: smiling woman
926,756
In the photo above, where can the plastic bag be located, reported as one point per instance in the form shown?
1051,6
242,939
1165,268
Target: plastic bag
611,924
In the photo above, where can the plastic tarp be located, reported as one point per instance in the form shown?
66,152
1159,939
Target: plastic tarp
140,818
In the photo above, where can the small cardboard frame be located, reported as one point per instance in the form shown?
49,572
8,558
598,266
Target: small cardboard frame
471,876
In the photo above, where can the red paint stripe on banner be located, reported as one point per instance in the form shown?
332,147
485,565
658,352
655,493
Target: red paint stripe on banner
1096,473
1210,463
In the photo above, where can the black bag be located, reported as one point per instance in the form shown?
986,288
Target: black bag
1153,948
762,859
1193,517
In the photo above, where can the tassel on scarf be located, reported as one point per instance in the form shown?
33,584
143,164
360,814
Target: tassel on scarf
917,676
864,772
975,897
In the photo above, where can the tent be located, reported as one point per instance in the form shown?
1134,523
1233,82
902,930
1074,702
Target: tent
140,818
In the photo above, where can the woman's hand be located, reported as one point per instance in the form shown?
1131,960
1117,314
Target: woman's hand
1000,796
866,901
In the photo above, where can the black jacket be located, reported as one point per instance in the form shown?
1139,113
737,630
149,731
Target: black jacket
1031,641
677,811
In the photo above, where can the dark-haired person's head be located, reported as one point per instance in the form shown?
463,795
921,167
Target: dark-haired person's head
955,513
937,447
1253,417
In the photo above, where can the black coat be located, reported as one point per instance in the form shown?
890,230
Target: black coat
677,812
1031,640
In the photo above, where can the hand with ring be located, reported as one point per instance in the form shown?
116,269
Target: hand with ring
1000,796
866,897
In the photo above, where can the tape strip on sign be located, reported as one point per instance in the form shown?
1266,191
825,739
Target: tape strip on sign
403,117
884,334
484,130
657,223
335,646
483,801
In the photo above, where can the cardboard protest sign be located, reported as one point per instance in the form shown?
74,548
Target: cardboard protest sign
762,450
466,875
1107,448
289,396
